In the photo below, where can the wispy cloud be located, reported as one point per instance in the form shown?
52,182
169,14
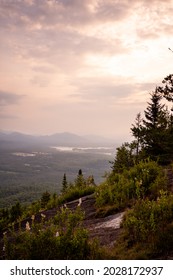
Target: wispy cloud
8,117
7,98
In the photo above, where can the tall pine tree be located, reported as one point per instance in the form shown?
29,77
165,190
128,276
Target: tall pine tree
152,132
155,112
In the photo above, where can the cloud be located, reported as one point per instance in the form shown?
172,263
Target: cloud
43,69
62,32
53,44
41,81
156,19
41,32
110,90
40,14
7,116
7,98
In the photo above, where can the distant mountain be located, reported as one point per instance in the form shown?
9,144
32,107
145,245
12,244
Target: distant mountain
57,139
64,138
16,137
16,140
99,139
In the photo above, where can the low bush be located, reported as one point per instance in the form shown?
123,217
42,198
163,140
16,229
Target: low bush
64,238
75,193
145,179
148,228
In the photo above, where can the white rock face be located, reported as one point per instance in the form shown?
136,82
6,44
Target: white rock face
112,221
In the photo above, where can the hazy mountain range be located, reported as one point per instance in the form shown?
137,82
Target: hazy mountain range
63,139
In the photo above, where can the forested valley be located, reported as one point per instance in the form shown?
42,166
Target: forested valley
139,184
25,173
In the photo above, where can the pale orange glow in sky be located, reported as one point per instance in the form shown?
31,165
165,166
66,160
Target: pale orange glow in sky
82,66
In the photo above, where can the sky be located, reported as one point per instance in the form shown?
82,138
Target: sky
82,66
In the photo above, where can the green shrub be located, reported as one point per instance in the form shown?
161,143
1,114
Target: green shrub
147,230
75,193
121,190
63,238
149,178
149,220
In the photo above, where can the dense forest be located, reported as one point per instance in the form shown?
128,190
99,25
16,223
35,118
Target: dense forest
25,173
140,183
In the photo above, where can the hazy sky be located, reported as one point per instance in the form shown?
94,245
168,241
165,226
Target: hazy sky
83,66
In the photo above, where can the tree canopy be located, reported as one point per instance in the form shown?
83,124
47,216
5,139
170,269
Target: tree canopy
153,134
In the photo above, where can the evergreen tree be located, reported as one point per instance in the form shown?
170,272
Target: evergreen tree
15,212
80,181
64,183
45,199
4,213
90,181
124,158
155,125
137,131
167,92
154,113
167,89
153,133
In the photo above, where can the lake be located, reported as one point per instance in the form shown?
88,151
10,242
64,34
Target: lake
101,150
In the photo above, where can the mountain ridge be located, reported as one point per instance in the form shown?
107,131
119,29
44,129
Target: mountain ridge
61,138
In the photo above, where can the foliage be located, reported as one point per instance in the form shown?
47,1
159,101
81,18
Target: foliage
4,218
11,215
148,221
15,212
121,190
24,179
137,132
154,133
48,201
64,239
32,209
154,113
45,199
64,183
167,89
74,193
80,182
79,188
124,158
